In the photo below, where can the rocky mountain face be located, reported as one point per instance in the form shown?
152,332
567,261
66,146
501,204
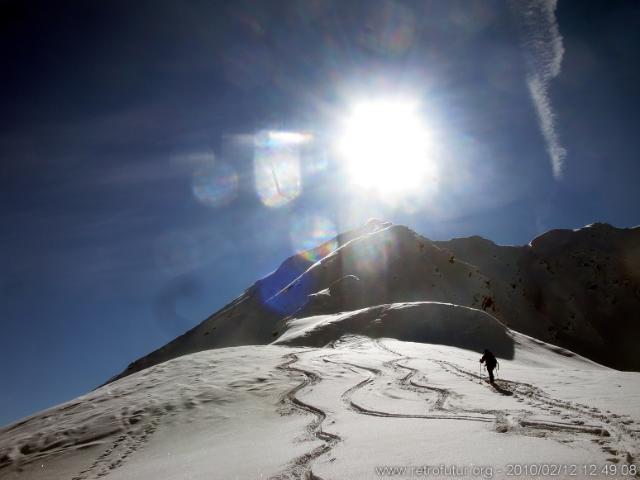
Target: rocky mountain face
577,289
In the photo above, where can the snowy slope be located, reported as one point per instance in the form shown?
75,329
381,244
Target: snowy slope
578,289
378,263
337,411
363,354
426,322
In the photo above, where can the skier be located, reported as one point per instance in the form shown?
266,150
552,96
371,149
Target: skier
490,361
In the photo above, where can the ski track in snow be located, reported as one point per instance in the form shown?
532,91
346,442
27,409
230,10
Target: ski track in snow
122,447
299,467
375,375
613,434
137,427
380,372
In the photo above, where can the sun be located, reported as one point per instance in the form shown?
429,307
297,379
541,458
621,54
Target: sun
386,147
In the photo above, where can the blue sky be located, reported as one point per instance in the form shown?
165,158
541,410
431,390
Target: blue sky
131,130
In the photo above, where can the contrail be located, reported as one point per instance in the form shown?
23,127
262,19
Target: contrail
543,52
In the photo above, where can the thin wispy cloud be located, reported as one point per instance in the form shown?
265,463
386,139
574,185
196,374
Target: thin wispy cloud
543,50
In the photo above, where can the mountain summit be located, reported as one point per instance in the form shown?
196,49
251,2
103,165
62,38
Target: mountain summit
362,355
579,289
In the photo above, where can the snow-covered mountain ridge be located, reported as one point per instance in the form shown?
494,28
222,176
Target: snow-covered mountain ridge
577,289
363,354
346,410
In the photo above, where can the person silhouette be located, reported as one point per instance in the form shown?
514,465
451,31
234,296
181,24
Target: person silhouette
490,361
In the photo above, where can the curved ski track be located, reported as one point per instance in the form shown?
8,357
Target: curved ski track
300,467
612,432
617,436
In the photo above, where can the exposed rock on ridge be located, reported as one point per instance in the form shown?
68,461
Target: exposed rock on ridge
577,289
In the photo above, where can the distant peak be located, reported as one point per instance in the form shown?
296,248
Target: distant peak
377,223
558,237
597,226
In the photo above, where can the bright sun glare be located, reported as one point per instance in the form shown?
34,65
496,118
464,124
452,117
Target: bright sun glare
386,147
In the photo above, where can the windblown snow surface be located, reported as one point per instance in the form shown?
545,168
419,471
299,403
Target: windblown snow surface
359,359
382,392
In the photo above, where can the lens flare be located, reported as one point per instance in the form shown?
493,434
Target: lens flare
215,186
313,237
277,167
177,253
